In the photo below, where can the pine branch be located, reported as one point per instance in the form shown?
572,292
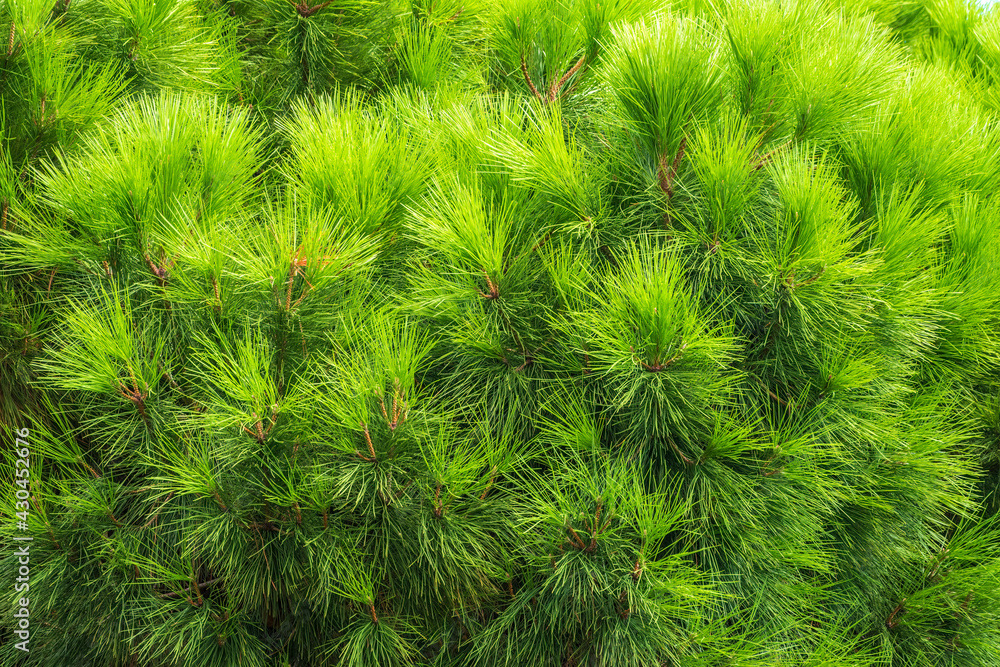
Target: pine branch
531,84
557,85
199,588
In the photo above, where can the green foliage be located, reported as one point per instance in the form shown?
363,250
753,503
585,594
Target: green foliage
459,334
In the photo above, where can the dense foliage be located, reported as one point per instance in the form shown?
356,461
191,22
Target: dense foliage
594,333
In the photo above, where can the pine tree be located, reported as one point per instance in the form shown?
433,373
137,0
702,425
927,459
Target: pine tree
451,333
